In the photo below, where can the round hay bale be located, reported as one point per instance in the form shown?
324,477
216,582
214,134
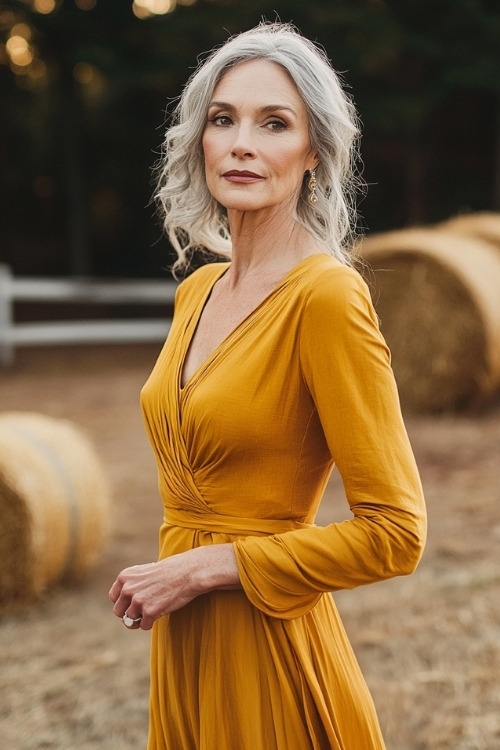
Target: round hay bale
54,505
437,295
485,225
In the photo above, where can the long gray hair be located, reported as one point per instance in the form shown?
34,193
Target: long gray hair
192,218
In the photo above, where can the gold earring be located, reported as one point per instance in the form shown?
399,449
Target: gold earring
312,198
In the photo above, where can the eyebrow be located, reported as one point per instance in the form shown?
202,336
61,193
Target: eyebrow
267,108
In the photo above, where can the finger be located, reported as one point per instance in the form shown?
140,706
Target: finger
115,590
131,623
121,606
146,623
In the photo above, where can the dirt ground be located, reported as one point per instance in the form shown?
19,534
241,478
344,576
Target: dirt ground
73,678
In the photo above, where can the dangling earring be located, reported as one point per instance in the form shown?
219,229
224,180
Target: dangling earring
312,198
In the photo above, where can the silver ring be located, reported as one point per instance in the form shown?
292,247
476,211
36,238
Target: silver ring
129,622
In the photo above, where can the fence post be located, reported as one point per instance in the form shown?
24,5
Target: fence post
6,343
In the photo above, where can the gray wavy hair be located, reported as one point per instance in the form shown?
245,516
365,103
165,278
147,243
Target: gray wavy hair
192,218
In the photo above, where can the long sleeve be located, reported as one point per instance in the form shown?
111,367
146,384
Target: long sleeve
345,364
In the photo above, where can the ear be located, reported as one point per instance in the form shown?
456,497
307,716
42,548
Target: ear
313,161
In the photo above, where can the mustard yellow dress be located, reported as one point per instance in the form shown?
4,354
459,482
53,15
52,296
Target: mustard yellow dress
244,452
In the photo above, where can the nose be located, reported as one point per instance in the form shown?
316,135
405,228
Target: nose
243,145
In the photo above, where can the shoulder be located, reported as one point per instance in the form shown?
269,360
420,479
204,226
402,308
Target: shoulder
338,317
335,289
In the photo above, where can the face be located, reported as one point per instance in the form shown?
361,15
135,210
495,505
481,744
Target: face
256,140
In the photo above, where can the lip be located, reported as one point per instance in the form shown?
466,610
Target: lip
243,176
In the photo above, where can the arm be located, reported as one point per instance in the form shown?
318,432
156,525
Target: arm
346,366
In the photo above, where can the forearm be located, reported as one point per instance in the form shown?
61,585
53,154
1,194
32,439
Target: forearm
284,575
214,568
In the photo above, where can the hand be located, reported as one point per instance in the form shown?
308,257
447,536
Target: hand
155,589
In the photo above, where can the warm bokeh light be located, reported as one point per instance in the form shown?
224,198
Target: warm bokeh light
44,6
148,8
22,29
19,51
141,8
140,12
16,44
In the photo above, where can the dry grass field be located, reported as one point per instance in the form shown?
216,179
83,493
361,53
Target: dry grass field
73,678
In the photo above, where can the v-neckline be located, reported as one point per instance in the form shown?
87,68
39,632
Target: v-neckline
191,328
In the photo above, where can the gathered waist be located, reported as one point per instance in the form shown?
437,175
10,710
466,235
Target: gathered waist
209,521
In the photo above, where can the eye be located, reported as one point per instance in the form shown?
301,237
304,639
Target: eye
221,121
276,126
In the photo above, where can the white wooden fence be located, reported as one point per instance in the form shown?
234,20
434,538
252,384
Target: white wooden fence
88,291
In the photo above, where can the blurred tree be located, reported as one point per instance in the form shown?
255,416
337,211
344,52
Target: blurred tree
84,85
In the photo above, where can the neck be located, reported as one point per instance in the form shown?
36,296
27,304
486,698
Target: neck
265,242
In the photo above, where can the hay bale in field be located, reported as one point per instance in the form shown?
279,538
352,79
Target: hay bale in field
54,506
437,295
485,225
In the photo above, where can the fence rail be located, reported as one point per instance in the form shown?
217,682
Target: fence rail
88,291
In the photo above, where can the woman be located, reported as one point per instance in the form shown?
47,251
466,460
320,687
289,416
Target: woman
274,370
